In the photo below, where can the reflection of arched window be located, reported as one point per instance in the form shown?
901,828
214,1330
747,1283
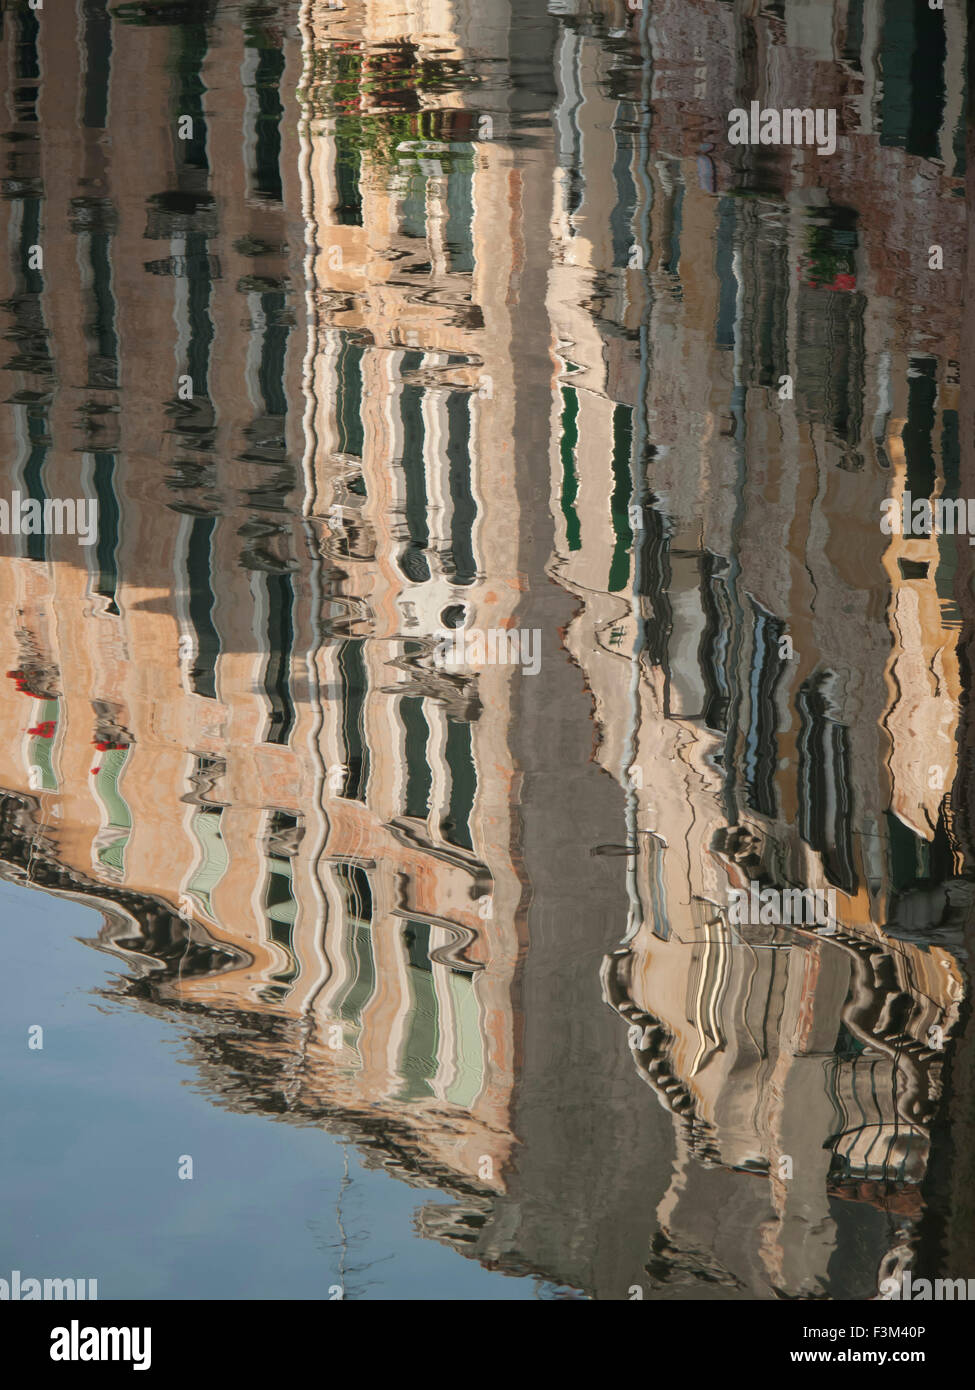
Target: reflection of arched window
825,790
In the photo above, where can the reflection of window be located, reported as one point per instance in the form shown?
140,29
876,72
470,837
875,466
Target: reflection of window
570,480
624,209
201,603
912,57
98,57
459,562
352,683
416,800
619,570
467,1076
103,356
348,406
825,791
107,577
280,904
715,643
460,216
456,826
37,430
922,392
443,1051
419,1061
277,672
356,943
191,44
761,746
412,560
267,141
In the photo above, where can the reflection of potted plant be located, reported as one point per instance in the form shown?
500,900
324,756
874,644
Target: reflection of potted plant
829,260
378,98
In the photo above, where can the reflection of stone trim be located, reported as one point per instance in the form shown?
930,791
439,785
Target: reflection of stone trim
650,1050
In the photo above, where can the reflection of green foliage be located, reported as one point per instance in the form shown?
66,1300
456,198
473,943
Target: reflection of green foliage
830,251
377,99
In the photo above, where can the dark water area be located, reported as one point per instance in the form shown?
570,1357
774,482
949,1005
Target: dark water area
486,760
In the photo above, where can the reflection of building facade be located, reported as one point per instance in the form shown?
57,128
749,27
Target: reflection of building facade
289,354
217,706
768,691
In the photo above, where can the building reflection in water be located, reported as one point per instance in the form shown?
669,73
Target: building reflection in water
380,324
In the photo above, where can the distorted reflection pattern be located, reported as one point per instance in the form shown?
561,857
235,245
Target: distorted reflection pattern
373,330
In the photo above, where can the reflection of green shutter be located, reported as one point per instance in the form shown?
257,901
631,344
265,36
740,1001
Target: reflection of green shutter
206,828
468,1043
363,975
111,762
419,1064
41,750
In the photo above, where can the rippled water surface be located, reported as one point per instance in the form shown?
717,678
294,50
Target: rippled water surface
487,618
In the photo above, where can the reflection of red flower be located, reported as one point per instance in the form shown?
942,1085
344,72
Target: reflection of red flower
842,280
